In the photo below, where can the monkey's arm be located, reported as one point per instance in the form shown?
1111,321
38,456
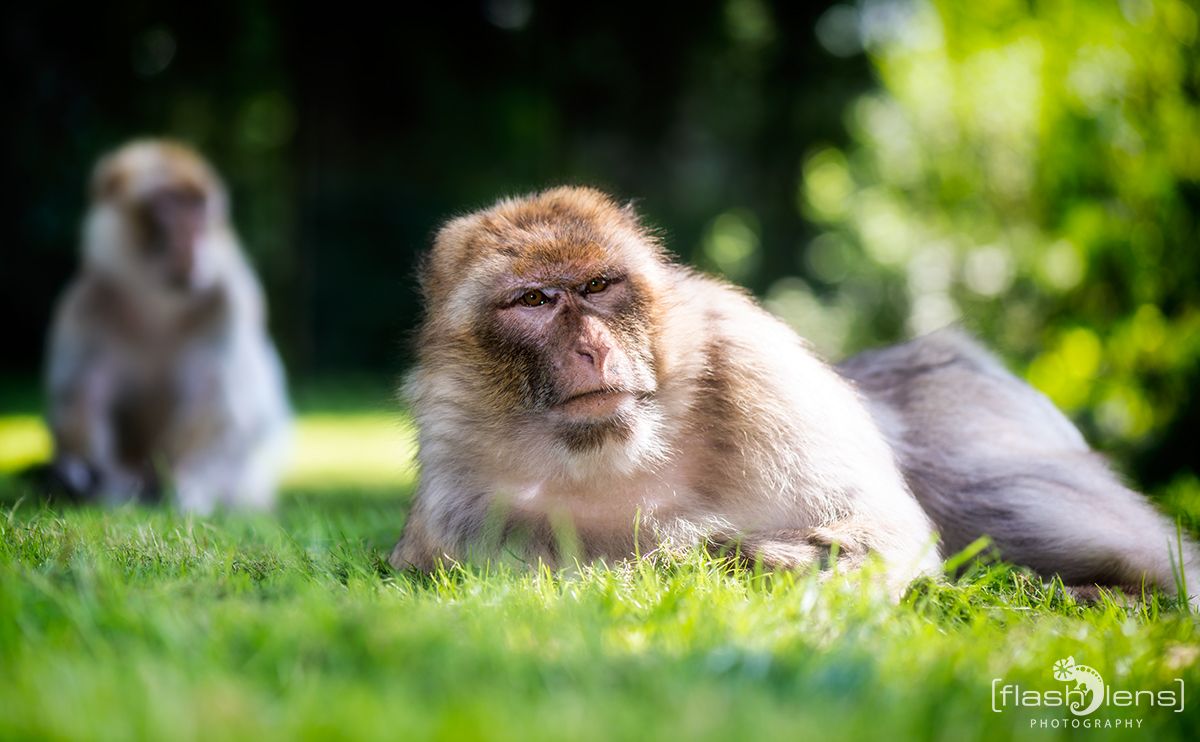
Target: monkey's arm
839,546
419,546
477,528
80,384
792,549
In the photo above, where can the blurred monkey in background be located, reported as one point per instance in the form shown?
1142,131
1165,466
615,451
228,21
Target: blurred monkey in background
572,378
161,376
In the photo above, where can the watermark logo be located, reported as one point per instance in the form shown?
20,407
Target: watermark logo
1089,685
1081,692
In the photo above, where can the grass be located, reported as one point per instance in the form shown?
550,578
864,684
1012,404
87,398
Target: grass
141,623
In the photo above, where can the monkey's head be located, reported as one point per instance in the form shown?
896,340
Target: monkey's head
158,215
543,311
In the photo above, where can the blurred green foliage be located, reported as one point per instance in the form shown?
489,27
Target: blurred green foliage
1033,171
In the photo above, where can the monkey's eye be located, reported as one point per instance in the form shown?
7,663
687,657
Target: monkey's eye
534,298
595,286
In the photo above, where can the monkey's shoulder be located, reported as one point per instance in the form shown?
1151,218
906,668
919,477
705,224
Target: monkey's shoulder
96,302
717,326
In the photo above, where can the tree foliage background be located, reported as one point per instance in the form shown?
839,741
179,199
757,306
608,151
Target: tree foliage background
1030,170
873,169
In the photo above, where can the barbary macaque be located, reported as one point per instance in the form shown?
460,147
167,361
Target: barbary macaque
580,395
161,377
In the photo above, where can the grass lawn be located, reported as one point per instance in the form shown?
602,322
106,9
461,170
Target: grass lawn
141,623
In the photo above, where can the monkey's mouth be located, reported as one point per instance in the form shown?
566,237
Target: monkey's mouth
596,403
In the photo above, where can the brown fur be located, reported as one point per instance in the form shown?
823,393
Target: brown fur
737,434
738,439
159,360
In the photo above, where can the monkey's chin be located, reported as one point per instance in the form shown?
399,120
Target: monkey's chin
596,406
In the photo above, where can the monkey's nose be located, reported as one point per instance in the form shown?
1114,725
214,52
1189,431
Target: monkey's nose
593,355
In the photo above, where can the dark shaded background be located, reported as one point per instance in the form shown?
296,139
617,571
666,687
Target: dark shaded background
346,137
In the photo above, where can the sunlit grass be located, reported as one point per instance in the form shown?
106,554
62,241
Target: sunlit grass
330,450
24,441
143,623
340,450
139,623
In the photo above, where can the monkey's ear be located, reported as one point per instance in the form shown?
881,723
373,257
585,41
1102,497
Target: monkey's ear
438,268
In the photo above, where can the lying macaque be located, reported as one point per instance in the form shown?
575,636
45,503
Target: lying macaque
573,379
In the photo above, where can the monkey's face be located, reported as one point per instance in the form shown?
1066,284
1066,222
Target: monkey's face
560,299
163,206
571,348
172,219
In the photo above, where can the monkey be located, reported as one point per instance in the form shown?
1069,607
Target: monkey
572,379
160,376
579,394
